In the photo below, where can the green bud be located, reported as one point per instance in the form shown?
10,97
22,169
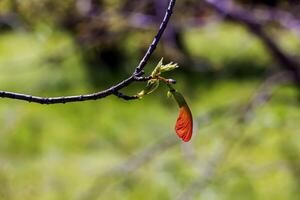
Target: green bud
169,94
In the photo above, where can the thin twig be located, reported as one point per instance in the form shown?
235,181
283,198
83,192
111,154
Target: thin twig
114,90
125,97
157,37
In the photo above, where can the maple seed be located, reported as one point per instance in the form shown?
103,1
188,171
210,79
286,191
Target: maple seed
184,123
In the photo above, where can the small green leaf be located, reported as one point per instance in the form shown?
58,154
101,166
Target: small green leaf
168,67
157,69
150,87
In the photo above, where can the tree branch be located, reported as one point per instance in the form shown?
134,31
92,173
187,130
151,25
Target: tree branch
124,96
247,19
114,90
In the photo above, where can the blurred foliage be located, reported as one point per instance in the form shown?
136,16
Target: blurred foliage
58,151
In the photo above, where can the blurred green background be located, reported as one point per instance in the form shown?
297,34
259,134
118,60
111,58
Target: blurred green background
116,149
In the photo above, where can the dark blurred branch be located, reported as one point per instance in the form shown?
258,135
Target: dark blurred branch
12,21
246,19
283,18
114,90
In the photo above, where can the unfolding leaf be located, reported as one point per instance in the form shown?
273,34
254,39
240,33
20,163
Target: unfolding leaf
150,87
168,67
157,69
